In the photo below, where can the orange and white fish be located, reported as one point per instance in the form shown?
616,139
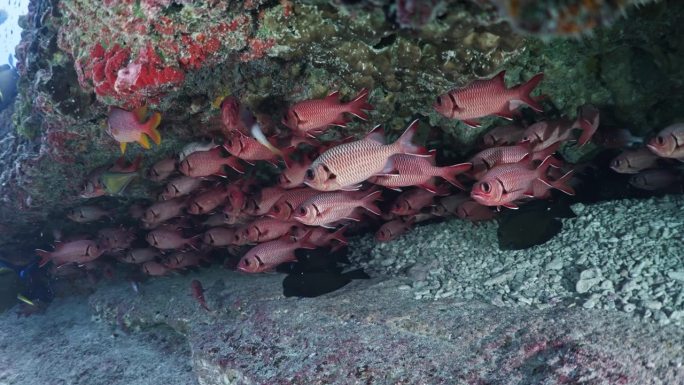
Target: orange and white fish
130,126
487,97
344,167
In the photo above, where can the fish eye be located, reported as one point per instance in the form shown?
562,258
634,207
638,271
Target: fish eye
309,174
302,211
439,100
616,163
486,187
660,140
276,208
211,239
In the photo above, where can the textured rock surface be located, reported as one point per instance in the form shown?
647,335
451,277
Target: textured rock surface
371,332
64,346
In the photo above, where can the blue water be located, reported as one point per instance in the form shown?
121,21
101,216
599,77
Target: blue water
10,33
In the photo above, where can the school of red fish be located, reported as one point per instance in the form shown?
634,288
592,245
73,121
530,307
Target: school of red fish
329,188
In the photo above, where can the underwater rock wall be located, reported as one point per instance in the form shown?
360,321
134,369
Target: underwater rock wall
77,60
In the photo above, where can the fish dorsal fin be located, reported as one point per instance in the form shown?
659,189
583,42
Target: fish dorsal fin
333,97
500,79
376,135
140,113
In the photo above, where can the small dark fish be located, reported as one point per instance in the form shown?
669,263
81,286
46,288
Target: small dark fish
531,225
310,285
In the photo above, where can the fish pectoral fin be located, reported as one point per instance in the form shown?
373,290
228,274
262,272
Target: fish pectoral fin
351,188
122,146
471,123
510,205
508,115
144,141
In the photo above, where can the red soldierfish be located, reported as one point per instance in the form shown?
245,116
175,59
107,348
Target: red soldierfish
654,179
487,97
448,205
162,212
489,158
154,268
232,116
267,198
182,185
544,134
412,202
503,136
289,202
85,214
114,239
393,229
633,161
162,169
267,256
128,126
266,229
311,117
77,252
168,239
344,167
409,170
206,163
208,200
327,208
669,143
293,176
505,184
183,259
474,212
250,149
198,293
219,236
320,237
139,255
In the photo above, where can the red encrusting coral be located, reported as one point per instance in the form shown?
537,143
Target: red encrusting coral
257,49
141,53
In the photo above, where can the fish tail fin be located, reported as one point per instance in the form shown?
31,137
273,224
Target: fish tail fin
368,202
234,163
405,141
588,121
44,257
151,128
524,91
562,183
359,104
449,173
305,243
338,235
